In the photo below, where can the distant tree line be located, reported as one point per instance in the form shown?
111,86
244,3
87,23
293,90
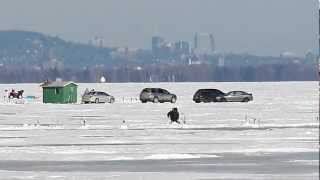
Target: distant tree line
34,57
163,73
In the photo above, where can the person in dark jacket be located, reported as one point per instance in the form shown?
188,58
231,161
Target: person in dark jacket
174,115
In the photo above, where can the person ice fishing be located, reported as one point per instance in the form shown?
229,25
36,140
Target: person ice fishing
5,95
174,115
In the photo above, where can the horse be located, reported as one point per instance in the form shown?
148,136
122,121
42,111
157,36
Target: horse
17,95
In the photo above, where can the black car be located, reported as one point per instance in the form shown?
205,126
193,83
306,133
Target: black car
208,95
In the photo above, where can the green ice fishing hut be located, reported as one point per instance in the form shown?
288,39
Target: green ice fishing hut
60,92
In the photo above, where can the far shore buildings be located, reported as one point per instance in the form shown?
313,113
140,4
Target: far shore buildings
203,43
165,49
182,51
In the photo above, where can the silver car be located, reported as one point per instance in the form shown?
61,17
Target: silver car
97,97
236,96
157,95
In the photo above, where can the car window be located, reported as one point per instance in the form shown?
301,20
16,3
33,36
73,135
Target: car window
162,91
165,91
215,92
232,93
218,92
105,94
100,93
199,93
208,93
240,93
147,90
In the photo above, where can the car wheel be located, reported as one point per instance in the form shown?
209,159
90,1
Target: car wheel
143,101
197,101
223,100
156,100
96,101
245,100
173,100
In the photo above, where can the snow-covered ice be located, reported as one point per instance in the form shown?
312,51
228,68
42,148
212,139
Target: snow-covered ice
131,140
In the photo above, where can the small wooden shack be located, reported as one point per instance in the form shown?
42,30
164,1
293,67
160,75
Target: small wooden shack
59,92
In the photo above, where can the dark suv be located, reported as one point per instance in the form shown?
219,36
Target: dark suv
157,95
208,95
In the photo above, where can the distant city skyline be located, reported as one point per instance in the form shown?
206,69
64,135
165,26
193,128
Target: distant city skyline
262,27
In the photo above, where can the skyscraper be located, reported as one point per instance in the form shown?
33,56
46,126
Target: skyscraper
181,47
204,43
157,43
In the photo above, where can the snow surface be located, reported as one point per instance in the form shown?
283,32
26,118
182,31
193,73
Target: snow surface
285,116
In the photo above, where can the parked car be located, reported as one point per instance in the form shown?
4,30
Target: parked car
97,97
208,95
157,95
237,96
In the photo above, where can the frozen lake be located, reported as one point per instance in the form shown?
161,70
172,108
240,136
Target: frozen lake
50,141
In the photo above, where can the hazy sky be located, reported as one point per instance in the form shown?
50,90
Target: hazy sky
263,27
